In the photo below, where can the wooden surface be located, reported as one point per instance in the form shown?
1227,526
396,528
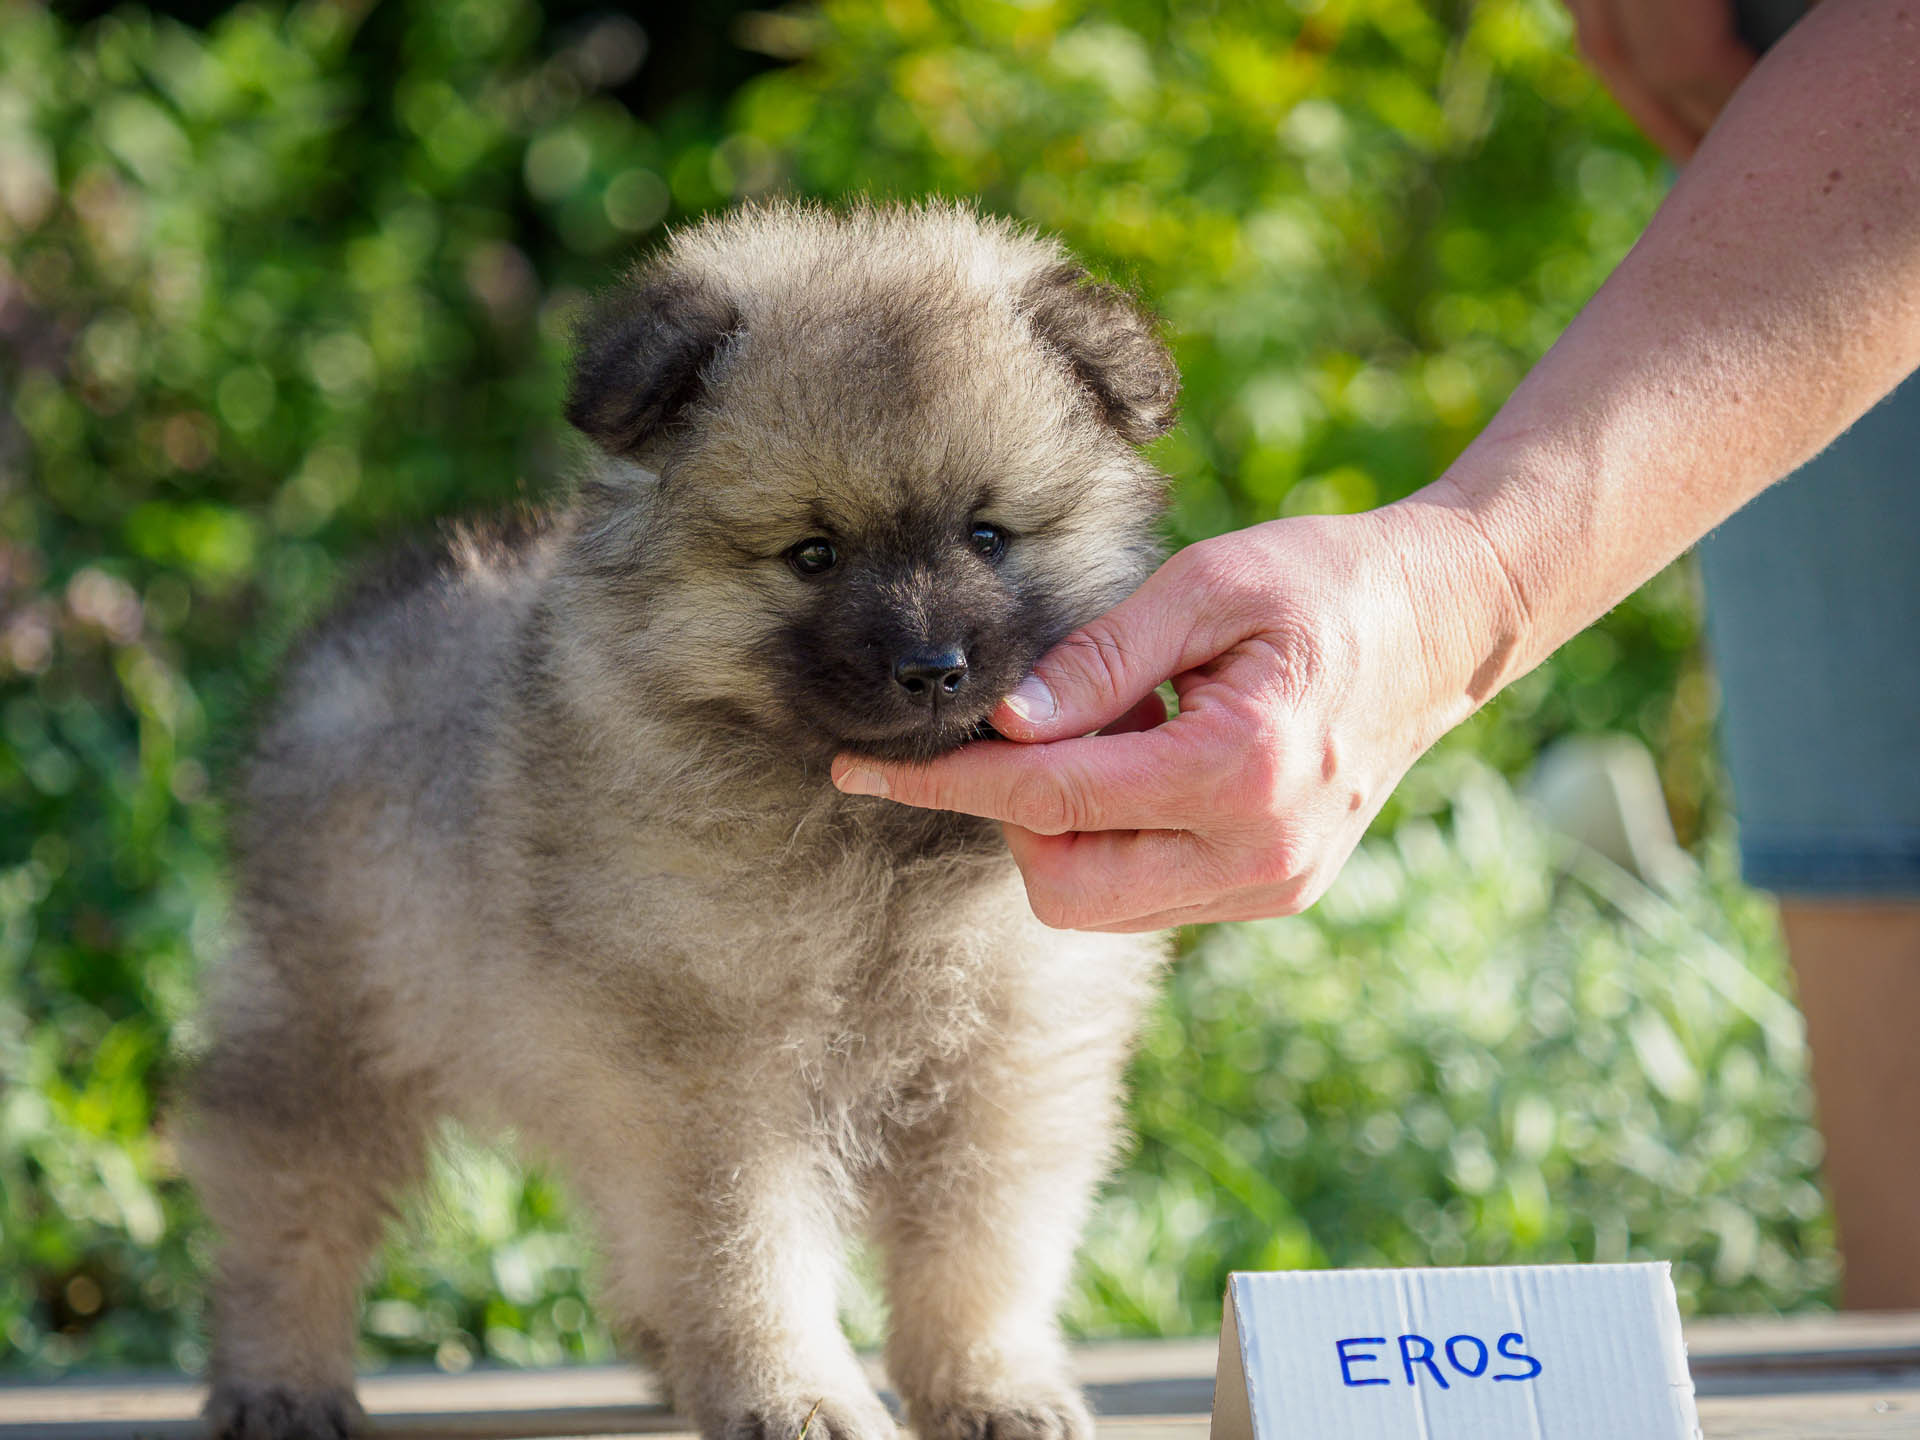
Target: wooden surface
1831,1377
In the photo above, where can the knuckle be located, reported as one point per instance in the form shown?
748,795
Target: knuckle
924,785
1050,906
1260,788
1296,873
1307,653
1039,801
1305,892
1104,667
1260,781
915,784
1290,902
1280,865
1198,563
1222,572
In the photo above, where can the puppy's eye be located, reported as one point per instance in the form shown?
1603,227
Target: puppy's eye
813,557
989,542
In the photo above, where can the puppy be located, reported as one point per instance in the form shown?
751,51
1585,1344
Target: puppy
540,837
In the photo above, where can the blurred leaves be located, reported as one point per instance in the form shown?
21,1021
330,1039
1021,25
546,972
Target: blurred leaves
265,296
1362,222
1484,1046
274,290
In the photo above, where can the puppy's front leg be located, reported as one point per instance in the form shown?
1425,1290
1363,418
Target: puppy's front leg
724,1250
979,1223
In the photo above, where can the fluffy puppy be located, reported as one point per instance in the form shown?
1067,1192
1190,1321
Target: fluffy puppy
540,837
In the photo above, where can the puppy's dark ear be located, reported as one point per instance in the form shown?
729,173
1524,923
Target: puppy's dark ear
640,355
1111,346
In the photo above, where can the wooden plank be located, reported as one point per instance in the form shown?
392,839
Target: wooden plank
1730,1355
1824,1415
1819,1376
1877,1330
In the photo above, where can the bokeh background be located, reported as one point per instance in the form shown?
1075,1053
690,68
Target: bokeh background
280,280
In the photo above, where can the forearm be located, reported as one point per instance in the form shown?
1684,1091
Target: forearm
1772,301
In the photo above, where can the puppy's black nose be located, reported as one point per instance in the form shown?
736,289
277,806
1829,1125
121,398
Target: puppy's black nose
927,675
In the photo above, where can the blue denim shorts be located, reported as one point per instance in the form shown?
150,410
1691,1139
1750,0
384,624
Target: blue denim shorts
1813,621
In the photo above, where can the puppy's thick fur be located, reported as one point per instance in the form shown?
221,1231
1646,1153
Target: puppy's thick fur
540,836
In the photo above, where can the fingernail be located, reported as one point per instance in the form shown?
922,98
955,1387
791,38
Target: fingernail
1032,701
862,782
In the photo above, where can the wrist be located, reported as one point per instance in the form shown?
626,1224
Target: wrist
1467,599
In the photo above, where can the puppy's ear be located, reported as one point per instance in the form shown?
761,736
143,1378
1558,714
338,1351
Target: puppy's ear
640,357
1111,346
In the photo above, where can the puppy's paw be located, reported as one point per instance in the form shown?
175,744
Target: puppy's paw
820,1418
1042,1415
278,1412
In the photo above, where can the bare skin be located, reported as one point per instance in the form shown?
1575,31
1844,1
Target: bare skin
1858,964
1672,64
1773,300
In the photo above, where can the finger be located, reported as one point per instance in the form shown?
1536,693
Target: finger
1261,905
1151,711
1259,902
1148,924
1094,881
1698,94
1602,42
1140,780
1152,880
1177,620
1689,57
1676,138
1145,880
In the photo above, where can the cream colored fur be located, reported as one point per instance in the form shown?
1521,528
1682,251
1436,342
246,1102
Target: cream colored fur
532,842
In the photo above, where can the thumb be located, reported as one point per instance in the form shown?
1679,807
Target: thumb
1109,665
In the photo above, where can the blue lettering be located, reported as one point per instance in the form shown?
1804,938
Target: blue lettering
1347,1361
1408,1359
1454,1360
1516,1337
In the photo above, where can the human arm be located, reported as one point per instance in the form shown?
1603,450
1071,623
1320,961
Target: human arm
1774,298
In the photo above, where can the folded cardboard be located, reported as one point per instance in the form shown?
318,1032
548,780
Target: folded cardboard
1551,1352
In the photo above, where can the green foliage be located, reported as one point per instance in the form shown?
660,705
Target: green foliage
1362,222
262,300
1484,1046
271,291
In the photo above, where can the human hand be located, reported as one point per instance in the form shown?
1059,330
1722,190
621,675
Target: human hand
1314,660
1672,64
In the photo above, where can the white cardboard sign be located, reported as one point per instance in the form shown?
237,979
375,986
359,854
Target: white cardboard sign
1551,1352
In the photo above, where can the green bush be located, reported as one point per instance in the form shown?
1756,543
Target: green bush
266,296
271,291
1484,1046
1362,221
